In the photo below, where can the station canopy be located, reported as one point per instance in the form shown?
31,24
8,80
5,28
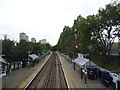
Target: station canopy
83,62
33,56
2,60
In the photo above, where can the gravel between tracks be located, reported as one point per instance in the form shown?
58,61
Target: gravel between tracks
50,76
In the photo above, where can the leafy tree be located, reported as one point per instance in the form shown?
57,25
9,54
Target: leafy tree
21,50
36,48
45,47
109,26
7,48
66,40
95,33
18,51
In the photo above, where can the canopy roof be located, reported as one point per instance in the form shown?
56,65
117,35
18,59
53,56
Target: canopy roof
2,60
83,62
33,56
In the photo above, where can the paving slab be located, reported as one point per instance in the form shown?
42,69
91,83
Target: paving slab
73,77
21,77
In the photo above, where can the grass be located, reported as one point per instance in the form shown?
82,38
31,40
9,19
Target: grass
114,64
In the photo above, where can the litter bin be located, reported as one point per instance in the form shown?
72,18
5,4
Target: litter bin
91,73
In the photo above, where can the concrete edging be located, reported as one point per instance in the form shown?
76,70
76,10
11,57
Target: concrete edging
64,72
26,82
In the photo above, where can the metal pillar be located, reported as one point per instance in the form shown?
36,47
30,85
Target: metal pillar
74,65
85,78
28,64
28,59
81,73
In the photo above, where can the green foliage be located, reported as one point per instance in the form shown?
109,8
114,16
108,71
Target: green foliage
109,27
66,39
7,48
36,47
19,51
93,34
45,47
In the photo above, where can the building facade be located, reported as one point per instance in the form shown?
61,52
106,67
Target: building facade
43,41
33,40
23,36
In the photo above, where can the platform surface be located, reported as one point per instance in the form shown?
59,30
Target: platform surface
74,77
21,77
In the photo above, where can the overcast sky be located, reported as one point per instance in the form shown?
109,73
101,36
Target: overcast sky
43,18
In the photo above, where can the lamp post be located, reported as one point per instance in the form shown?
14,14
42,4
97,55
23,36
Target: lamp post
28,59
38,56
76,49
74,45
9,69
90,52
90,55
74,57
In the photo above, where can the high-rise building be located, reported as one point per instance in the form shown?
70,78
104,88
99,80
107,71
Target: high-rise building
27,37
43,41
33,40
23,36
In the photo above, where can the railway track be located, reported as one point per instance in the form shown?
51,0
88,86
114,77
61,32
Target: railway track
50,76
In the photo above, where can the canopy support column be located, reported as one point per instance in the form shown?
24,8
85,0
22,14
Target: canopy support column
74,65
81,73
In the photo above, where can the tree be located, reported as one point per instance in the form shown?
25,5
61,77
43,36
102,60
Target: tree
20,50
36,48
65,42
45,47
82,28
7,48
96,31
109,26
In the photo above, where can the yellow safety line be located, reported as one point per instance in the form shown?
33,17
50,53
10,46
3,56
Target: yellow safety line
25,82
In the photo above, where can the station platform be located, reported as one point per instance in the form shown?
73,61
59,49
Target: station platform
18,79
73,77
